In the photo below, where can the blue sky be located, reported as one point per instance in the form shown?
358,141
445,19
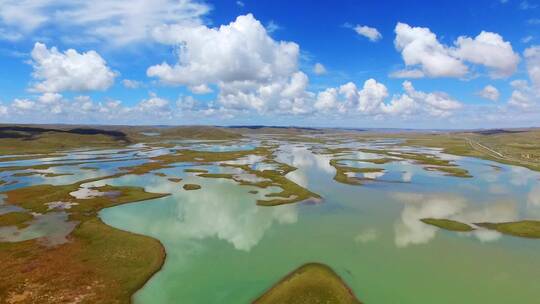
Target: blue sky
467,64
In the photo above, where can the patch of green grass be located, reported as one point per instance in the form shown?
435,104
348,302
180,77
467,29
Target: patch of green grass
342,172
190,187
19,219
526,228
518,147
175,179
53,141
216,175
291,191
450,171
448,224
311,283
34,198
195,170
99,264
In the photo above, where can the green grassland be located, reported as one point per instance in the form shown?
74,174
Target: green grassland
101,264
311,283
98,264
526,229
515,147
19,219
448,224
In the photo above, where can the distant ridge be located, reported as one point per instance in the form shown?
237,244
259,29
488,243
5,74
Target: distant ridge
31,132
255,127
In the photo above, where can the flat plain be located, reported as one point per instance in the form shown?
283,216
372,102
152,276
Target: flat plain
271,215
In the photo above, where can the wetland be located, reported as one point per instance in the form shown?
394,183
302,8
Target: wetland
266,218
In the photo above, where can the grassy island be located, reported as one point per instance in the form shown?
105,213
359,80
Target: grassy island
311,283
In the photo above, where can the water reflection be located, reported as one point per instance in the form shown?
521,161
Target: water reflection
52,228
222,210
409,229
234,219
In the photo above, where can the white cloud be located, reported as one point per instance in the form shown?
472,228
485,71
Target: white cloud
50,98
3,110
420,47
407,74
327,100
131,84
23,104
200,89
239,51
69,71
526,95
434,104
372,96
319,69
532,57
370,32
523,96
286,95
371,100
251,70
117,21
488,49
155,106
240,3
489,92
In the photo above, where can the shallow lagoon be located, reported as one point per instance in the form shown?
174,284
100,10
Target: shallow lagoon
223,248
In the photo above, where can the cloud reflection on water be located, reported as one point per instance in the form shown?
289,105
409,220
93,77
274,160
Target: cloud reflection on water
410,230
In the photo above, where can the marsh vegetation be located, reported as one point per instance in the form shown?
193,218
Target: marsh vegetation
89,214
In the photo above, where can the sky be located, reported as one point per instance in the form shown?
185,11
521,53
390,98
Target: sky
361,64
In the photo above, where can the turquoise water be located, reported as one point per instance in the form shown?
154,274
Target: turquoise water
222,248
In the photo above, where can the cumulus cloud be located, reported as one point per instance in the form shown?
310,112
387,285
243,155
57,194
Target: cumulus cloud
489,92
371,99
372,96
200,89
369,32
69,71
23,104
251,70
488,49
155,105
319,69
239,51
421,48
55,107
532,57
525,94
116,21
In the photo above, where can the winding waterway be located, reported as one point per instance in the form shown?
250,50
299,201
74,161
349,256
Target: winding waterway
223,248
